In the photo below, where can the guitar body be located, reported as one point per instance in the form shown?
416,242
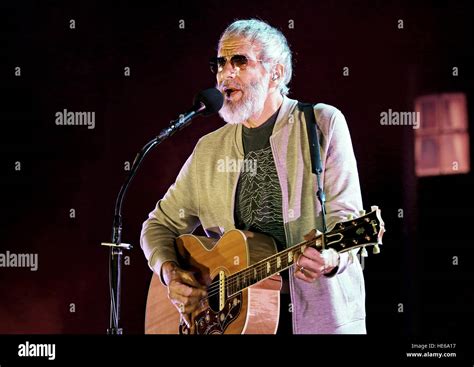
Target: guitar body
241,274
254,310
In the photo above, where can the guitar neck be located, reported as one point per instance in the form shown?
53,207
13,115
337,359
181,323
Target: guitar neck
270,266
345,236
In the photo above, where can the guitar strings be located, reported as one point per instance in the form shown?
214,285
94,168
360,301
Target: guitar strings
249,273
233,280
262,266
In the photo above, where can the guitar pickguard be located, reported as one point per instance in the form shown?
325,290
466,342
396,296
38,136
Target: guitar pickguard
211,322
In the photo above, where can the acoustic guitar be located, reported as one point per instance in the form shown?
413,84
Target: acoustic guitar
241,273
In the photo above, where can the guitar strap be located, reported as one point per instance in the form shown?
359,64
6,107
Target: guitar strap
316,164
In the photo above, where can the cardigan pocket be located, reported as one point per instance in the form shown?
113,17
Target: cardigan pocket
351,286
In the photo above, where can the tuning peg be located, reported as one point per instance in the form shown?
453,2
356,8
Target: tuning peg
376,249
350,216
364,252
374,207
362,212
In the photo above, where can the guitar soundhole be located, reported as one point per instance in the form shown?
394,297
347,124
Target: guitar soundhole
213,293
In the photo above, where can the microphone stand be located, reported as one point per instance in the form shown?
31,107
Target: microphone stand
116,246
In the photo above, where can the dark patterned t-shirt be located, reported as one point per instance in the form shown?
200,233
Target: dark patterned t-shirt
258,198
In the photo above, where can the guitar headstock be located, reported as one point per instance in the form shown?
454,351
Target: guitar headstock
367,230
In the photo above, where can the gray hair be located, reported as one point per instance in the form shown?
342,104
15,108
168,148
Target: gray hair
273,45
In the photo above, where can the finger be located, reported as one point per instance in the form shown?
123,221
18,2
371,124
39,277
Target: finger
308,263
189,279
306,275
317,262
311,268
185,305
313,254
191,308
177,298
176,287
178,304
314,266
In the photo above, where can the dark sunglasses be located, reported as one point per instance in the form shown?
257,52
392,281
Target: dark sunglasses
237,61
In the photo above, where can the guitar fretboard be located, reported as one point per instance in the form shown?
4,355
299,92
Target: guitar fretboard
269,266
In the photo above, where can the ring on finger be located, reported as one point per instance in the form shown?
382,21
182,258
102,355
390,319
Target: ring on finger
298,261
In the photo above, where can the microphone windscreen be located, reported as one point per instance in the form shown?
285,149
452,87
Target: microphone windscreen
212,98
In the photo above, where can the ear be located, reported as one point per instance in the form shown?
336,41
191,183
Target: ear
276,75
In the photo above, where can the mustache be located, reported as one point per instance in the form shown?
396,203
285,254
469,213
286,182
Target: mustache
230,85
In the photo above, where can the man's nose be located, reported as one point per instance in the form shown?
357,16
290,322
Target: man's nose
228,71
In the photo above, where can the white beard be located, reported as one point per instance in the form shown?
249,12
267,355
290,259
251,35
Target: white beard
251,103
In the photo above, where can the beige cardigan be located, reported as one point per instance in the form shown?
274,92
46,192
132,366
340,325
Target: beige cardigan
203,194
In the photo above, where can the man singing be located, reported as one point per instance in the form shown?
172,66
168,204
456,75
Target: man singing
322,293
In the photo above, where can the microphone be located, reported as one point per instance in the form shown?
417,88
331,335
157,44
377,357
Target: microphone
206,102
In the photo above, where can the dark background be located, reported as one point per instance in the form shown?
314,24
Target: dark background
66,167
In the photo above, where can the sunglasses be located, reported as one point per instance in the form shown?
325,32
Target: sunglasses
237,61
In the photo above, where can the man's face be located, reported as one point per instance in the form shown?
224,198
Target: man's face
245,89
